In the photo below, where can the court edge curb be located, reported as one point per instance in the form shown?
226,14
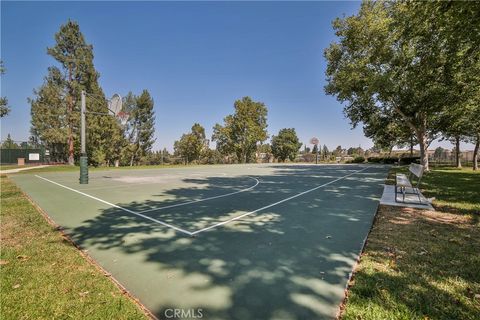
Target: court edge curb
86,256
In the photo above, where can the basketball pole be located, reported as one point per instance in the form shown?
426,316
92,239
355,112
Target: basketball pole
83,153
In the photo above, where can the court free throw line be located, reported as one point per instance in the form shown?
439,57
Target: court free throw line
204,199
275,203
118,207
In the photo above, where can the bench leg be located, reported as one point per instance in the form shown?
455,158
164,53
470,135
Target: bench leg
418,194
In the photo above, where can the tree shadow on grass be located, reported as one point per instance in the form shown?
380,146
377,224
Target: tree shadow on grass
290,261
418,264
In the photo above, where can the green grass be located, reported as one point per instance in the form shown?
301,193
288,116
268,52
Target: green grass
68,168
421,264
455,190
9,166
43,276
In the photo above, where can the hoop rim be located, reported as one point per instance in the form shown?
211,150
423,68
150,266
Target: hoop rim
123,117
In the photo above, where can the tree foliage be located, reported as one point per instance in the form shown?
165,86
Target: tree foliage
242,131
4,108
192,145
55,107
406,60
141,125
285,145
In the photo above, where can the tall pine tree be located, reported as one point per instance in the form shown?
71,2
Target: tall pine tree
75,58
142,125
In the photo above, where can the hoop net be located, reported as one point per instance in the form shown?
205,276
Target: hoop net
123,117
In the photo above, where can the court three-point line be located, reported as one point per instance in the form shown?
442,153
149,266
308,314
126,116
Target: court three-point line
276,203
117,206
203,199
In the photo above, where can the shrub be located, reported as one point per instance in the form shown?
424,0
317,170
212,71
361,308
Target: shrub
359,159
375,159
408,160
390,160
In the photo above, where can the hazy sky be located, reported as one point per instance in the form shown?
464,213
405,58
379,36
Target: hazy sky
196,59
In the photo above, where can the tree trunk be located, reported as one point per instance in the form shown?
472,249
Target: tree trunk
422,139
458,163
475,153
131,160
411,146
71,159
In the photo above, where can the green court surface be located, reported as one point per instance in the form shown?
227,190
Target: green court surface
238,242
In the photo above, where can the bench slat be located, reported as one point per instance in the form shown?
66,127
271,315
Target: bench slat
402,181
416,169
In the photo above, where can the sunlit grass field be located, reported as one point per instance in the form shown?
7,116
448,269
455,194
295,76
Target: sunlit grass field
421,264
43,276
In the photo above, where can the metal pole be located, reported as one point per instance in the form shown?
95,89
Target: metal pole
82,115
83,154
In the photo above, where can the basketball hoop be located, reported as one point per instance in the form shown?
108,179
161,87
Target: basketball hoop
115,104
123,117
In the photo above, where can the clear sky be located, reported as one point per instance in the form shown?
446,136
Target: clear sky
195,58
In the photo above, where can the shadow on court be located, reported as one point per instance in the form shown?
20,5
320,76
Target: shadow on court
290,261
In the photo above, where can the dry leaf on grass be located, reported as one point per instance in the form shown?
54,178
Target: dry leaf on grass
22,257
83,294
3,262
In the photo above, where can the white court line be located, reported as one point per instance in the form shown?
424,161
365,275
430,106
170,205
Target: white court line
118,207
204,199
274,204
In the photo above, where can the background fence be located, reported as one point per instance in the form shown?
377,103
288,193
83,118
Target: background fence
11,151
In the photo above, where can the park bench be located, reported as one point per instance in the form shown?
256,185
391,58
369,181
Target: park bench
402,182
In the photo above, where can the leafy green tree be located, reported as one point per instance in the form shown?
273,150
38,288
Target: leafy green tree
192,144
201,142
285,145
325,152
142,126
439,153
242,131
210,156
387,130
338,152
264,152
404,58
4,108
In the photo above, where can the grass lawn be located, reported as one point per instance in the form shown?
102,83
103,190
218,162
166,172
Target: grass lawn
66,168
420,264
43,276
9,166
14,166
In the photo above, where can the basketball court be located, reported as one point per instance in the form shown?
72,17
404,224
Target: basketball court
268,241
